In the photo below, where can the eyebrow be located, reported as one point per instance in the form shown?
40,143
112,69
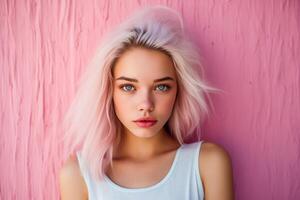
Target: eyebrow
156,80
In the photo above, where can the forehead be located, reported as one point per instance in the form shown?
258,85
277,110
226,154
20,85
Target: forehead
144,64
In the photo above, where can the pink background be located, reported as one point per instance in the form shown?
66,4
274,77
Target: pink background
250,50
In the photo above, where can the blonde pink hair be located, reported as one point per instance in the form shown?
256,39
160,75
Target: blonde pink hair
90,123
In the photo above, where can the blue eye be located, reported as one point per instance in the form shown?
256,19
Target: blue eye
127,86
163,87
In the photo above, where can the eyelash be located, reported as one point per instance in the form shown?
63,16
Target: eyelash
166,86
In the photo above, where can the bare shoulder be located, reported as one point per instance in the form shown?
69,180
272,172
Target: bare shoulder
72,184
215,167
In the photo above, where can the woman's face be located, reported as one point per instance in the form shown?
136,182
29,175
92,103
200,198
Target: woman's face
139,92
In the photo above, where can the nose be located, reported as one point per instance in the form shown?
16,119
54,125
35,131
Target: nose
146,103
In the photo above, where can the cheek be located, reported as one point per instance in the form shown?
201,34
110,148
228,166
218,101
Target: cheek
167,103
121,105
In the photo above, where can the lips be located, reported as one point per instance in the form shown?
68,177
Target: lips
146,119
146,122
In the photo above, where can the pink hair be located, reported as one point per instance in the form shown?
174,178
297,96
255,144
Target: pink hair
91,123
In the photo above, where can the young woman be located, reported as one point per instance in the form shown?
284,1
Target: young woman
139,103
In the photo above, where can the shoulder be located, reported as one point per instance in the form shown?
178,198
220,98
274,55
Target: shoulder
214,152
72,184
215,167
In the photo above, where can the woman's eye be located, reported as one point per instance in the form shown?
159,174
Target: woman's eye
126,87
163,87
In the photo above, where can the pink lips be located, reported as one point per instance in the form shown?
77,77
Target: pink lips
145,122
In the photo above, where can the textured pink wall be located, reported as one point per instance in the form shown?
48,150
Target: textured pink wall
250,49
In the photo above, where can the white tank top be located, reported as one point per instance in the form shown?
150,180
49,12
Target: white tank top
182,182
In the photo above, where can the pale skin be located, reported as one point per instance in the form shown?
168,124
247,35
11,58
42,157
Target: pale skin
152,148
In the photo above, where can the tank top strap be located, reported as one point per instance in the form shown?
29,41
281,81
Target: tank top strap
82,166
188,166
89,181
190,154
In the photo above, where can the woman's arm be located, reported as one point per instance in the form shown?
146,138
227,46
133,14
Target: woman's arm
216,172
72,185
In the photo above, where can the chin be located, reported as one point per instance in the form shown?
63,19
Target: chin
144,133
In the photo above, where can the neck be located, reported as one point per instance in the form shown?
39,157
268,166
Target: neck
137,148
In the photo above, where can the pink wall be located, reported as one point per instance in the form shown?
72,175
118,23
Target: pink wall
250,50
